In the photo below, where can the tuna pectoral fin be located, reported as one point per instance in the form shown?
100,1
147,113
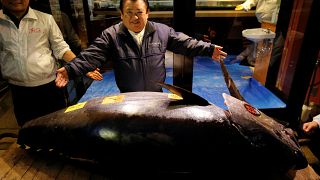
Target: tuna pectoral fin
187,96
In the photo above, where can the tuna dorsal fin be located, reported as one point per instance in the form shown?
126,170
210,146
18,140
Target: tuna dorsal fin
188,97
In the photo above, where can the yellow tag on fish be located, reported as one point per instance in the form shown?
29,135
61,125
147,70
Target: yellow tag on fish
112,99
75,107
174,96
246,77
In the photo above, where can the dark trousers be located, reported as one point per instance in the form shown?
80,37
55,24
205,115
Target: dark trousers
33,102
275,61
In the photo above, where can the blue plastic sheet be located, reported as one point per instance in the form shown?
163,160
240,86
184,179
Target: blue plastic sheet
208,82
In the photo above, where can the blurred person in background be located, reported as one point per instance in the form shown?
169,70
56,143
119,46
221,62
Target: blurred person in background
80,84
30,44
266,11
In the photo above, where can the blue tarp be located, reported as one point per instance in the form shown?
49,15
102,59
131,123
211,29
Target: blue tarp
208,82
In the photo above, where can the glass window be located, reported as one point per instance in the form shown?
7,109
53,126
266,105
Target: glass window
217,4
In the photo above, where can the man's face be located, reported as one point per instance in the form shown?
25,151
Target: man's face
15,6
135,15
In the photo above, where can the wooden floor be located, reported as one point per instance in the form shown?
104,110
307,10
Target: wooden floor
8,123
20,163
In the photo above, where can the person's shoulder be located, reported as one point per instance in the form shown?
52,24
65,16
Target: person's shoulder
153,23
41,16
38,16
114,27
157,25
40,13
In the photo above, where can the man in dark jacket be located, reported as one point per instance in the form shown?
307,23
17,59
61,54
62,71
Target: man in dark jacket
137,48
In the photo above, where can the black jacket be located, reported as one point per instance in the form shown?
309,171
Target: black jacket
137,69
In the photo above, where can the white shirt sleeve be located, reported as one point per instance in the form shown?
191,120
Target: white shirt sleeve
317,119
58,45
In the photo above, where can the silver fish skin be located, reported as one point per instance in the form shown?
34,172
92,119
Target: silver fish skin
157,131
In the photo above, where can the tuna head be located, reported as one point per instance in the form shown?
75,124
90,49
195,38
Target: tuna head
268,137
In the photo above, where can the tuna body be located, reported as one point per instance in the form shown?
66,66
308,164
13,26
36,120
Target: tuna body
159,131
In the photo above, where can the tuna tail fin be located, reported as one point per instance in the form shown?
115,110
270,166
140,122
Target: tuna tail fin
229,82
188,97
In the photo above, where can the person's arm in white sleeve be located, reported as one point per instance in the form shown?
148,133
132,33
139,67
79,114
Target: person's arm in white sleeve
310,127
247,5
60,48
317,119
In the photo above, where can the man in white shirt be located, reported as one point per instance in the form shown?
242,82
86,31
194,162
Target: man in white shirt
30,44
266,11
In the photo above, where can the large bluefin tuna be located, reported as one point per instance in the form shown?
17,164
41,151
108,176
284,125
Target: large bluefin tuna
153,131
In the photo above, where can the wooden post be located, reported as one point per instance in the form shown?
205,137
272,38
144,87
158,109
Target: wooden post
182,65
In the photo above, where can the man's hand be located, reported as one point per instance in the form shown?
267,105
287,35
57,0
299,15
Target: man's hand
243,7
217,54
95,75
62,77
239,7
310,127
